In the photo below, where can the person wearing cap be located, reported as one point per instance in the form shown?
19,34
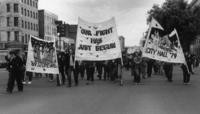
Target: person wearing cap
15,66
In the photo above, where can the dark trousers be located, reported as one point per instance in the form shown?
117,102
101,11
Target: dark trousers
29,75
76,73
15,76
61,70
190,68
81,71
168,72
69,72
136,73
186,74
99,70
106,73
51,76
90,74
149,68
113,73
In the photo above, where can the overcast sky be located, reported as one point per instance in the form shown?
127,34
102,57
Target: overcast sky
130,15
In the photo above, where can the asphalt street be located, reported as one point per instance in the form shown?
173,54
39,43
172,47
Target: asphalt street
156,96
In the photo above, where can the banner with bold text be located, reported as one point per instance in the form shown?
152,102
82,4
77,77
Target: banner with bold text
97,41
42,57
166,48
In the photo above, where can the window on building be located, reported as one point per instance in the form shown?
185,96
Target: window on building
22,11
34,15
31,26
16,21
8,21
26,38
28,13
8,7
22,38
16,8
25,25
28,2
25,12
31,2
36,5
16,35
22,24
8,36
31,14
28,25
25,1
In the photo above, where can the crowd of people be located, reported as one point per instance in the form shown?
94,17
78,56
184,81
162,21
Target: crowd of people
143,67
139,67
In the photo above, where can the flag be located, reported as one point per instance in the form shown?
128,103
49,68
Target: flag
155,24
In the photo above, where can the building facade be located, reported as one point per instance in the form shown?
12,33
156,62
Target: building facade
18,20
47,25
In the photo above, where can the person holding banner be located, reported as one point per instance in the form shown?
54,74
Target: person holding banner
61,69
69,66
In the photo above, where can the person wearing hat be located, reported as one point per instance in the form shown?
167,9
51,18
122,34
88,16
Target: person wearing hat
15,66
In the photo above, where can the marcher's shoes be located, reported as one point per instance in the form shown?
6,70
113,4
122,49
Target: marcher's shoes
29,82
187,83
9,92
69,86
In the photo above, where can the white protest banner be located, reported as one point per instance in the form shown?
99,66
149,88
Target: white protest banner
166,48
97,41
42,57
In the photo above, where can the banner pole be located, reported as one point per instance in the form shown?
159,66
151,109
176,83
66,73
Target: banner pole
147,38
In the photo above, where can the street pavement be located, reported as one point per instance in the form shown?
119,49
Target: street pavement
156,96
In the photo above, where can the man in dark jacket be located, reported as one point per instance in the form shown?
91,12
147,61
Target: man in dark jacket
61,69
69,66
15,65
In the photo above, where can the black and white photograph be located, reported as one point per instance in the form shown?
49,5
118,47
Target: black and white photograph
99,56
